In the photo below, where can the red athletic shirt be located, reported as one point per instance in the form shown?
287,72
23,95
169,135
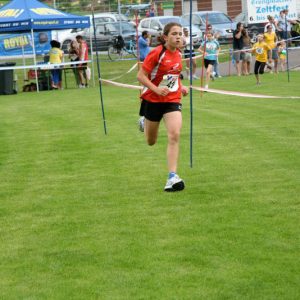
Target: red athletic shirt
84,51
164,69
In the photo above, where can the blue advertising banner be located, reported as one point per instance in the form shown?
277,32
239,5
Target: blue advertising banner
17,44
258,10
24,15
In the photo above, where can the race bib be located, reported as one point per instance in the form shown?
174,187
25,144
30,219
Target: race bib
171,82
259,50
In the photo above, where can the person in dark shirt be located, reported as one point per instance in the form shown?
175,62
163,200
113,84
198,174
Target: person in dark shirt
238,46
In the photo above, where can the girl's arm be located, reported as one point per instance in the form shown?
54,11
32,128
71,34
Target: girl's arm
144,80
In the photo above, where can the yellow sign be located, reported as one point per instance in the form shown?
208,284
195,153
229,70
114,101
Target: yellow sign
11,13
43,11
16,42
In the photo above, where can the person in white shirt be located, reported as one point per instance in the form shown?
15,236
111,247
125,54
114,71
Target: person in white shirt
187,47
271,22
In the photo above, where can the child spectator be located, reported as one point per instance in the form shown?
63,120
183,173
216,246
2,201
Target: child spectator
55,57
282,55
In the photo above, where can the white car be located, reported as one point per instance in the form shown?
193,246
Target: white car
221,23
155,26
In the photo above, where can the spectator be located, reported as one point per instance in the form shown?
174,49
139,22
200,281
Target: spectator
284,25
271,22
186,49
282,55
271,40
246,57
83,55
144,43
238,46
152,11
55,57
295,32
216,72
74,56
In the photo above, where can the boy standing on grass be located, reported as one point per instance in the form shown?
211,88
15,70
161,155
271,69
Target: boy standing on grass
260,49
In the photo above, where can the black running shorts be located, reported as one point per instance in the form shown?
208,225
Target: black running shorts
208,62
154,111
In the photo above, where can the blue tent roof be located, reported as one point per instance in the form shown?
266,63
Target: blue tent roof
24,15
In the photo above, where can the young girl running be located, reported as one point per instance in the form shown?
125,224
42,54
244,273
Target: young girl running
210,49
260,49
161,97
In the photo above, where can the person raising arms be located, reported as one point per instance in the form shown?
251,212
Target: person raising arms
161,97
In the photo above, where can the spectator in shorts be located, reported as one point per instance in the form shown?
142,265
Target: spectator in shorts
187,47
74,56
260,49
210,49
247,57
238,46
83,55
271,40
282,55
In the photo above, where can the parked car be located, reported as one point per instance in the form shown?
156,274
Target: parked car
106,32
220,22
66,36
155,26
253,28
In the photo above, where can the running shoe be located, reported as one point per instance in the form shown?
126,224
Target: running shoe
142,124
174,184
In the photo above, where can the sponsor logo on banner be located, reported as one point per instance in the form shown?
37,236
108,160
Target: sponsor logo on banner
17,44
9,13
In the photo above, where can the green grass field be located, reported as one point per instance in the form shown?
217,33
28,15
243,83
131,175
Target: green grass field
83,215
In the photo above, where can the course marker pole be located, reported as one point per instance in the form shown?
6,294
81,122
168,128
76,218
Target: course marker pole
99,73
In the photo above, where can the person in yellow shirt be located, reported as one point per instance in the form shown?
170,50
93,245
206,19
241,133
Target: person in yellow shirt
55,57
260,49
271,40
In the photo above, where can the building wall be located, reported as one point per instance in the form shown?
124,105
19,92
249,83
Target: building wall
204,4
234,7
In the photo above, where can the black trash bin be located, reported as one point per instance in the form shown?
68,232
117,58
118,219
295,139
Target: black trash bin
7,79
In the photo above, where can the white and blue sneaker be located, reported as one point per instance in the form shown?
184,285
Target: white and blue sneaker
174,184
141,124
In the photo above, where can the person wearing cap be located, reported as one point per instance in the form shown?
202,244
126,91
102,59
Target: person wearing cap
186,50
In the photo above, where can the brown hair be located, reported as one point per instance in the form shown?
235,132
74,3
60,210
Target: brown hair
166,31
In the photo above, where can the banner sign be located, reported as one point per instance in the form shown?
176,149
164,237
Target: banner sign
18,44
258,10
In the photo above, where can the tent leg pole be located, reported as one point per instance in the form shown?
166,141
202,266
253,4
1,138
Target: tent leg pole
34,60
